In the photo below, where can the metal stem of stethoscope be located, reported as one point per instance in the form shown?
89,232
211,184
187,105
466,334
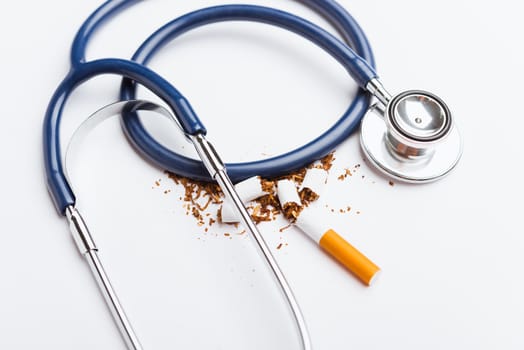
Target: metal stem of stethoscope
217,171
87,247
379,91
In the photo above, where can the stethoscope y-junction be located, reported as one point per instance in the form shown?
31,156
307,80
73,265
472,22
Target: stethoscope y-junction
410,136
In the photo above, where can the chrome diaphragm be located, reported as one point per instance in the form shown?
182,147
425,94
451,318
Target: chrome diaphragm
411,137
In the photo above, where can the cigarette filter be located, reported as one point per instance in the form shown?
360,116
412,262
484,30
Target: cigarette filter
337,247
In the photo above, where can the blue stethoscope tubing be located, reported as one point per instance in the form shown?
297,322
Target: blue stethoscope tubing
359,64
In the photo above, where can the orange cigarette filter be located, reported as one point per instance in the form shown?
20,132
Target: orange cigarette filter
349,256
330,241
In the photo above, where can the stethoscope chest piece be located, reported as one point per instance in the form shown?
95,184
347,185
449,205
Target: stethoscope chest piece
413,138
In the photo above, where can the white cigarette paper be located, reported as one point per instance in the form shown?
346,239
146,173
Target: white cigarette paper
287,192
248,190
315,180
312,224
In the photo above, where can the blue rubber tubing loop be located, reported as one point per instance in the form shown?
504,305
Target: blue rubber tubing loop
80,71
281,164
346,26
58,185
92,24
356,66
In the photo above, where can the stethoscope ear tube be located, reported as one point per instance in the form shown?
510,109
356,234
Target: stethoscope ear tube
215,168
79,230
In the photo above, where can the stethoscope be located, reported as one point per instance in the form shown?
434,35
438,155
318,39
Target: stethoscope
411,136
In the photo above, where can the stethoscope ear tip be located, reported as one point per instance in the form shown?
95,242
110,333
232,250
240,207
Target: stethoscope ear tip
413,138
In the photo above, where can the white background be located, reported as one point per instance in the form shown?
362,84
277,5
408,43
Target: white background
451,252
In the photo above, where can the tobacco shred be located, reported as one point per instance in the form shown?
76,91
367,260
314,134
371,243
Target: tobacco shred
307,196
263,209
267,185
291,210
296,176
347,173
327,161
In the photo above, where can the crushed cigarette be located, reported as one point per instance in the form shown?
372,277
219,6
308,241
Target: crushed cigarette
289,199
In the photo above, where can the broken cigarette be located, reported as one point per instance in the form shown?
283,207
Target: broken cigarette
319,231
337,247
248,190
314,182
289,199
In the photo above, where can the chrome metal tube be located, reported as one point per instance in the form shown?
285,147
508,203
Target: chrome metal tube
217,170
379,91
88,249
119,315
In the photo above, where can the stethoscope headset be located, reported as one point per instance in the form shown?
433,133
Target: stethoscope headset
410,136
